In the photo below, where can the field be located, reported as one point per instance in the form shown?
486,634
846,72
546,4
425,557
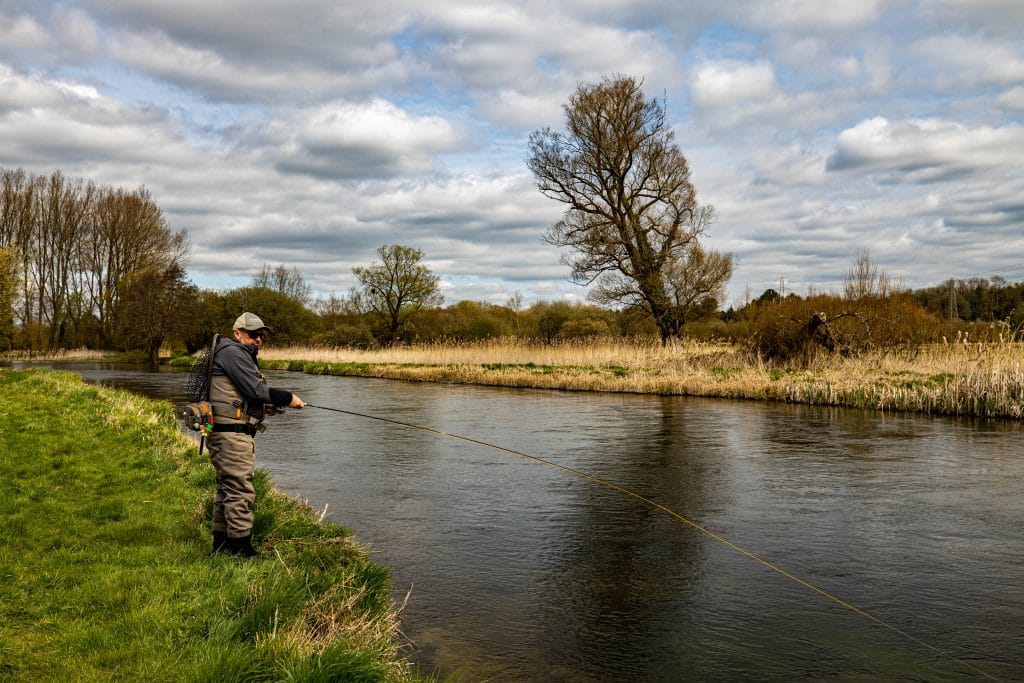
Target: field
980,380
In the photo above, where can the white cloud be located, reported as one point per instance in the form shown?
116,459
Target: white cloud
371,140
1012,99
972,60
809,14
221,78
789,165
24,92
68,122
992,16
925,150
303,32
525,110
724,84
76,30
21,31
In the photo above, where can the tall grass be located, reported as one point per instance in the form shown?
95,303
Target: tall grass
105,570
56,354
983,380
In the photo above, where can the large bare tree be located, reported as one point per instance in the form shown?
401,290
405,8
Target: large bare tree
632,211
397,287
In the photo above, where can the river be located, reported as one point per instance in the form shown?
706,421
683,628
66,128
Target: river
518,571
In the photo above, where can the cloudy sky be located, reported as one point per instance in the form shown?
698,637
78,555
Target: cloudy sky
307,133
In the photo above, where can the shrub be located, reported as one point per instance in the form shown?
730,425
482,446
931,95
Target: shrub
355,335
584,328
799,330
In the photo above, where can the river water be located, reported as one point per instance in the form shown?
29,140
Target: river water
517,571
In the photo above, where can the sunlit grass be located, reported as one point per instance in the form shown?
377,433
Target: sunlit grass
956,379
105,572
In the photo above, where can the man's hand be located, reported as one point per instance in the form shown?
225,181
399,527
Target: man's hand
297,402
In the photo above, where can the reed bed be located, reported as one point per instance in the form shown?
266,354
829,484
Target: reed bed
55,355
980,380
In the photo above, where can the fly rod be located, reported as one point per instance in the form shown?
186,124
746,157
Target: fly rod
681,518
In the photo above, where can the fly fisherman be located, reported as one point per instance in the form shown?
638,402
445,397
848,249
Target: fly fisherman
241,400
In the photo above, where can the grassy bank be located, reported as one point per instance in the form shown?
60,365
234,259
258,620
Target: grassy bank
105,570
978,380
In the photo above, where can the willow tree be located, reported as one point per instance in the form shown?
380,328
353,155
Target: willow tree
632,213
397,287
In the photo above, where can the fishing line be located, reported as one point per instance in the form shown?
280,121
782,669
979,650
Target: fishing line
685,520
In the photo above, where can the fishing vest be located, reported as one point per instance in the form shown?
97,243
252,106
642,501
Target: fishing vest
229,406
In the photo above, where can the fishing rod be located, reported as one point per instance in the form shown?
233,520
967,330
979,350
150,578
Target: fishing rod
681,518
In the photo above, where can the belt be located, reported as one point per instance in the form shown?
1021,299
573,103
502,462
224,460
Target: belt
243,429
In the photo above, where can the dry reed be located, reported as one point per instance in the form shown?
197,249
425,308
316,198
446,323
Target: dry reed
56,355
984,380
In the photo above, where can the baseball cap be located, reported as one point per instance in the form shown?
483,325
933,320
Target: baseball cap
250,322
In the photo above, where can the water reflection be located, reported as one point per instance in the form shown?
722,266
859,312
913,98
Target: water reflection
523,572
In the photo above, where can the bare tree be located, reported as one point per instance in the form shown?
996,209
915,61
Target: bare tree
63,217
291,283
864,279
515,304
632,210
695,277
396,287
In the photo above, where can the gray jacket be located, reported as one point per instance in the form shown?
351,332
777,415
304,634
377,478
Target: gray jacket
237,363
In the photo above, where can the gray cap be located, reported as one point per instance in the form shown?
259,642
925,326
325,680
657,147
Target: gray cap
251,322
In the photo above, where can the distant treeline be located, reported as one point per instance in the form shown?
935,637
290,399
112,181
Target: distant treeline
88,266
976,300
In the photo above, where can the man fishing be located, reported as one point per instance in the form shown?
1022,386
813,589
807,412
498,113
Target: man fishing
241,401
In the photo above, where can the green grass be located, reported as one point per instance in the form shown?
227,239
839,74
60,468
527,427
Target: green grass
105,570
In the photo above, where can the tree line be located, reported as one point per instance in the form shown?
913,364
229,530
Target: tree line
73,254
976,299
99,267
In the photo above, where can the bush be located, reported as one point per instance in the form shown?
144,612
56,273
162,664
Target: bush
584,328
799,330
291,322
350,335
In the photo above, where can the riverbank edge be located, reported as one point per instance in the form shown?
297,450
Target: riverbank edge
976,393
107,567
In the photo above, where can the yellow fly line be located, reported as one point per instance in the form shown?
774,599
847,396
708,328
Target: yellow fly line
685,520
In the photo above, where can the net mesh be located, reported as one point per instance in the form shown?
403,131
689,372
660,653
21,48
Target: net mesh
197,388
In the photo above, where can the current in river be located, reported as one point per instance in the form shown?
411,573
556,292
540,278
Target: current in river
511,570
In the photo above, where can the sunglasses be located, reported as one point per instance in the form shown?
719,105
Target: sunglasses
258,334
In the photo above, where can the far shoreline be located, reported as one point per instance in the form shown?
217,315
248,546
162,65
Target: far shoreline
959,380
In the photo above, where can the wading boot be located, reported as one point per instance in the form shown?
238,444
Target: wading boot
242,547
220,540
